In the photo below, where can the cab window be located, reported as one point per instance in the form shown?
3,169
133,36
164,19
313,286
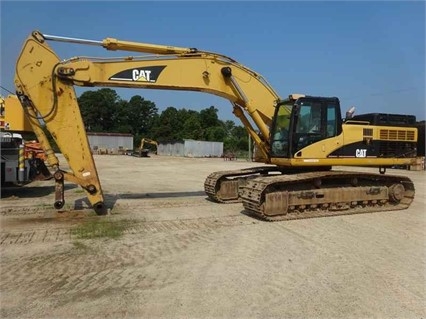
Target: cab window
280,131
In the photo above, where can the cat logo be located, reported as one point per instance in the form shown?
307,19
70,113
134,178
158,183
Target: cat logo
141,75
361,153
147,74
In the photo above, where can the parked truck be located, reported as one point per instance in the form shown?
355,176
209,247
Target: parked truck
22,161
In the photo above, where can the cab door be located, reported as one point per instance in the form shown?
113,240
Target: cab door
313,120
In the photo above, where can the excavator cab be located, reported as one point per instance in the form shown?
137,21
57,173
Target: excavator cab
305,121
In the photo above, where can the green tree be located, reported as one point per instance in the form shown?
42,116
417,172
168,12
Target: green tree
98,109
215,133
239,132
237,140
168,125
105,111
228,126
209,117
141,115
230,144
122,118
192,127
241,135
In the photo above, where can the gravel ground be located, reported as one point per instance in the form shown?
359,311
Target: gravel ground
182,256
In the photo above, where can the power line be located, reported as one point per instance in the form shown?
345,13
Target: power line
6,90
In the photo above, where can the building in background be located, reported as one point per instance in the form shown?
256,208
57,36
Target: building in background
110,143
192,148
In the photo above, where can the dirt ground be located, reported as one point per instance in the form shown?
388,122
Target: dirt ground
182,256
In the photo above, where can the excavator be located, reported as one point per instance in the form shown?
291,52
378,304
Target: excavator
299,138
143,152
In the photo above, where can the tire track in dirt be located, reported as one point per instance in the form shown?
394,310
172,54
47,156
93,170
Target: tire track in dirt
119,204
291,274
60,233
162,203
17,210
272,283
275,278
35,236
144,264
294,274
62,277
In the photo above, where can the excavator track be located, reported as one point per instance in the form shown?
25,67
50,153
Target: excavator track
223,186
321,194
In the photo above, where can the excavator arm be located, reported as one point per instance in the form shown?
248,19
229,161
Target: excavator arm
45,86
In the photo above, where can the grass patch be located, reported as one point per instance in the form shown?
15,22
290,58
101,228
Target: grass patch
100,228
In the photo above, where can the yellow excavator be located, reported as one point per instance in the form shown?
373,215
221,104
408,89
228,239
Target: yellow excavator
143,152
302,136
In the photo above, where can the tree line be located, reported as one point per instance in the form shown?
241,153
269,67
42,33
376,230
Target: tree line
104,111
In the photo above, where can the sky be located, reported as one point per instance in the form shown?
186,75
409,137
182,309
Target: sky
370,55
